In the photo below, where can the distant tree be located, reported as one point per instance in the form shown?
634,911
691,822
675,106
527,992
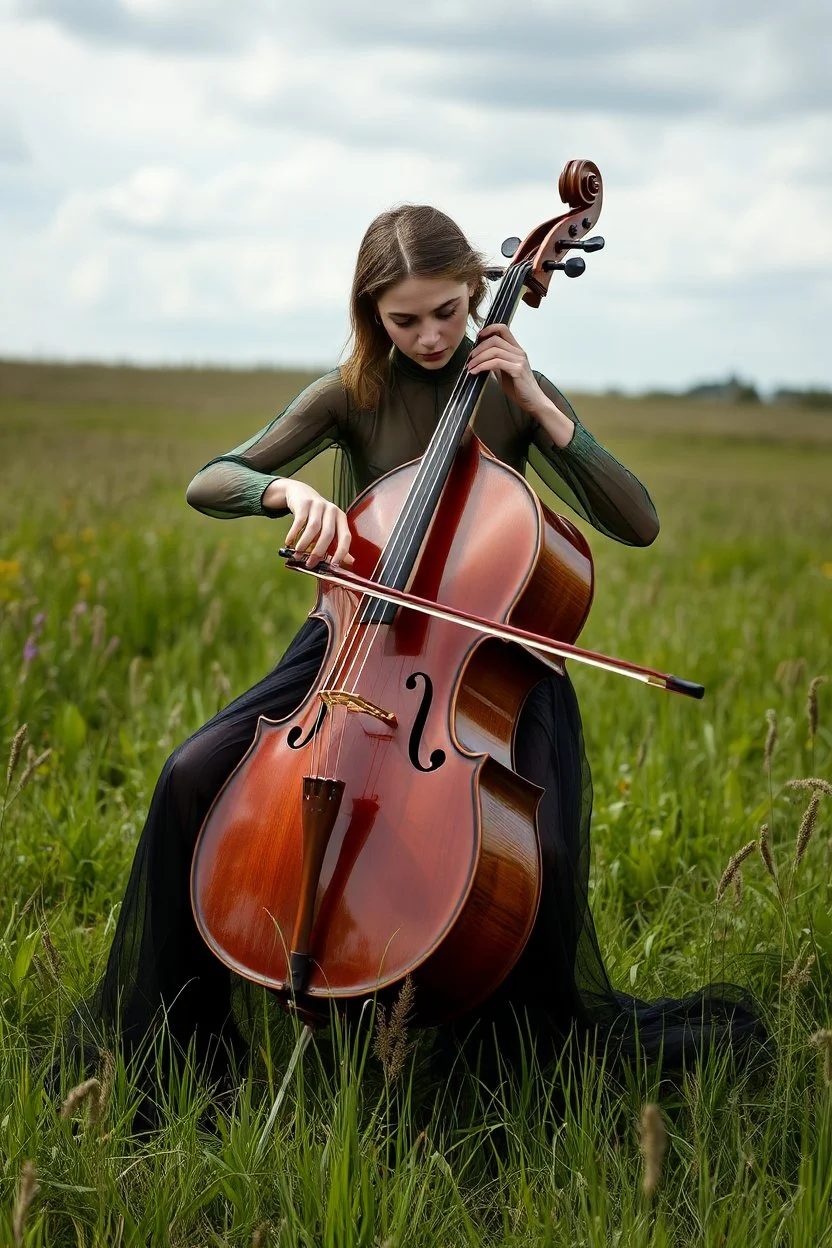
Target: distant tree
747,394
816,399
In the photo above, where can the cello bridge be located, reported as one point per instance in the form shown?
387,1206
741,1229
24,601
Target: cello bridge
354,702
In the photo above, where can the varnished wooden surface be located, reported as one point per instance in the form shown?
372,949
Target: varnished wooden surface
415,858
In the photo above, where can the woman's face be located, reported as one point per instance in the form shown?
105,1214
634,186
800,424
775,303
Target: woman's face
426,317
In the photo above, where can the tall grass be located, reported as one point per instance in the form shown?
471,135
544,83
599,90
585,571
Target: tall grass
128,620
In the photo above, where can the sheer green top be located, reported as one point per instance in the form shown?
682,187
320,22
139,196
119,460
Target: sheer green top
371,443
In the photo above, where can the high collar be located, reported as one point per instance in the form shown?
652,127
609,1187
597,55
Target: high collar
437,376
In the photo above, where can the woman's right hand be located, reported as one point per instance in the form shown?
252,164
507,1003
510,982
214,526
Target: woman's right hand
316,525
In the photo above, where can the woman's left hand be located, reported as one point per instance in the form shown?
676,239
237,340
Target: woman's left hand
498,351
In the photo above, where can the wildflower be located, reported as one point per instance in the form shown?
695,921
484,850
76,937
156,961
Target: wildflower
733,866
390,1044
807,827
653,1144
221,681
812,704
812,782
75,614
52,955
771,738
9,577
107,1074
800,973
26,1192
88,1091
34,761
135,682
112,646
38,622
765,851
174,717
31,650
99,623
823,1040
14,753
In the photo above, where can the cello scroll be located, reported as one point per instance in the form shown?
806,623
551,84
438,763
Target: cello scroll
580,187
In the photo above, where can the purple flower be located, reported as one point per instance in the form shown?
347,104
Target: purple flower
79,608
39,621
30,650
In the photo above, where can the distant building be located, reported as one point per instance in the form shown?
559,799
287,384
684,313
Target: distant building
731,391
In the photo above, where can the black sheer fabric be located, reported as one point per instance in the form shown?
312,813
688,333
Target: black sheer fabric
159,967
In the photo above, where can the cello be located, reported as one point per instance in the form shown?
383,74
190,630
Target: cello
381,831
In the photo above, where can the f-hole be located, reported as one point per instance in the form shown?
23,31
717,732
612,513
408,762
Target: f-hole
294,741
437,758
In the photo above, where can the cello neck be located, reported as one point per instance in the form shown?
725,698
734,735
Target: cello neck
405,541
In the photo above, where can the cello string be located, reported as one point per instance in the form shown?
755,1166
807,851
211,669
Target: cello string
505,301
432,464
414,509
416,503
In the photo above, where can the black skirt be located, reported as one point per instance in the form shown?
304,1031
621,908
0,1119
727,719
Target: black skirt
160,968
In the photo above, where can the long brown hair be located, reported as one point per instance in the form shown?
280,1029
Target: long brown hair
412,241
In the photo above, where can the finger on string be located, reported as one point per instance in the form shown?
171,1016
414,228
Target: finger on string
497,330
496,359
491,345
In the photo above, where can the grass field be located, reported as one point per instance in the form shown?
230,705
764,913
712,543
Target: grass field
127,620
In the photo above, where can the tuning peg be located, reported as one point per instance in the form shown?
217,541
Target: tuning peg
582,244
573,267
509,247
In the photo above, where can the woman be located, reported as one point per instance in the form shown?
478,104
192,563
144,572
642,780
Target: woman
417,282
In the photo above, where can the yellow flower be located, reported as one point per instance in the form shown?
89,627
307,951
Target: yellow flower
826,569
63,541
10,570
84,580
88,534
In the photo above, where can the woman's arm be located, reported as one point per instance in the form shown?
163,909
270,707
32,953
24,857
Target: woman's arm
564,454
599,488
238,483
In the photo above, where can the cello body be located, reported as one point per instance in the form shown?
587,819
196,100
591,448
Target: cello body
431,866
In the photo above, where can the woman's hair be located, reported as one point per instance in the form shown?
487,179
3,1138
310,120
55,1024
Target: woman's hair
413,241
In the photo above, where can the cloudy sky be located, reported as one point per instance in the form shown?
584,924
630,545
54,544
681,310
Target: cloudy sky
188,180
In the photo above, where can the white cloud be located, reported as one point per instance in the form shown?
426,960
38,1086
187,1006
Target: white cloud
195,177
13,148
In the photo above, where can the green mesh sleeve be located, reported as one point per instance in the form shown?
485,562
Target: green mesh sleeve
591,480
233,484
